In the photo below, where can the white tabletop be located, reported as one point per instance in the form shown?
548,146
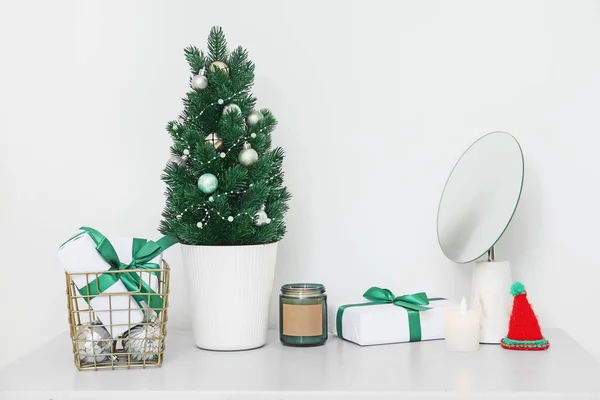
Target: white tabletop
338,370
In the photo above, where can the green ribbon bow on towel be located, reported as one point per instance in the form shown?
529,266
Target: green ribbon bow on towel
413,303
142,252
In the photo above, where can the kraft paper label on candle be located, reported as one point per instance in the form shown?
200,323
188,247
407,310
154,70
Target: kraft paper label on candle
302,320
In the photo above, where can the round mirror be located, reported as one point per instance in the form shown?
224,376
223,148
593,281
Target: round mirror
480,197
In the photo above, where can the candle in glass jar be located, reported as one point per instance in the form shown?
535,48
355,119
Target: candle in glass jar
462,329
303,314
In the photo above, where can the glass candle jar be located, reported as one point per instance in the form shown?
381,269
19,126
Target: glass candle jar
303,314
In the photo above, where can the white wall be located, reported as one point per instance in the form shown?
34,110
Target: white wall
376,100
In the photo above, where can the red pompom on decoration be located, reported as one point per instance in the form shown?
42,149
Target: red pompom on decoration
524,331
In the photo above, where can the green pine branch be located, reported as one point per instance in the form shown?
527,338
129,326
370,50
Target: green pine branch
217,45
195,59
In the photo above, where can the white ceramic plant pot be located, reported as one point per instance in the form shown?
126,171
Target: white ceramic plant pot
229,290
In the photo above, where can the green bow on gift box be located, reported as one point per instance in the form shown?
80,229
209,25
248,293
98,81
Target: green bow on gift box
142,252
413,303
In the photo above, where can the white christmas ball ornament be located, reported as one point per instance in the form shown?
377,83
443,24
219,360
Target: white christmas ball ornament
261,217
199,82
248,156
231,108
254,117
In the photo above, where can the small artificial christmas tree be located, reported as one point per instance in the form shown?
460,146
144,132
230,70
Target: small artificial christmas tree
224,182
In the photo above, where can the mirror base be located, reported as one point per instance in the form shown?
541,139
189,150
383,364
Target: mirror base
490,293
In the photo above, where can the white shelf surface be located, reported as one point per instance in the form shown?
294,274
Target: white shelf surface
338,370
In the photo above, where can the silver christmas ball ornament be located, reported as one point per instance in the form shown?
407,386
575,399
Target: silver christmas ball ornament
180,161
208,183
254,117
231,108
94,343
248,156
142,342
200,81
261,217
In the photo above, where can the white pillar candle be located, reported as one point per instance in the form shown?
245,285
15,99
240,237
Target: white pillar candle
462,329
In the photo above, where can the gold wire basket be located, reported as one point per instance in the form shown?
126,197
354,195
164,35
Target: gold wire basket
94,347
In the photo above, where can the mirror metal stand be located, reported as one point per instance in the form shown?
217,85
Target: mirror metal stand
490,254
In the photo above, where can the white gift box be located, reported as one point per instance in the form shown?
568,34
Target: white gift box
387,323
79,254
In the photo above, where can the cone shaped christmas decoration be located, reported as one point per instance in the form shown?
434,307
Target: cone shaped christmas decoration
524,331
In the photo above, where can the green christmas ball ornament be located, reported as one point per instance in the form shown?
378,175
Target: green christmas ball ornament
208,183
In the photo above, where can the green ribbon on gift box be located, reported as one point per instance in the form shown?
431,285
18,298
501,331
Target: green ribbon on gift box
142,252
412,303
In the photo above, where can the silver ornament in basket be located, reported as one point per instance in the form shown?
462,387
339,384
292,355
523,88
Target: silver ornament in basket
142,342
94,343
